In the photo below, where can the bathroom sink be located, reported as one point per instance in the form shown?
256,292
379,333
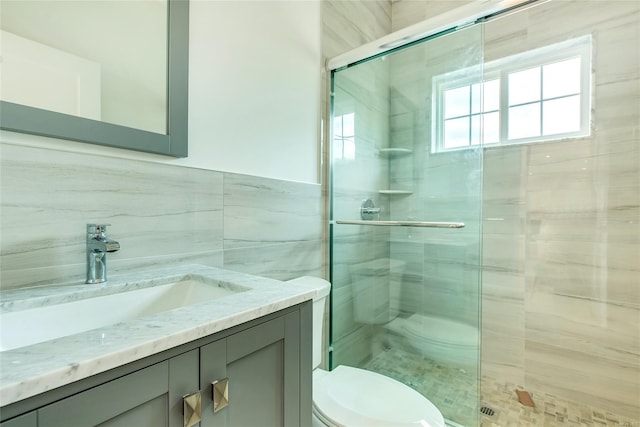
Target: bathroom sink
50,321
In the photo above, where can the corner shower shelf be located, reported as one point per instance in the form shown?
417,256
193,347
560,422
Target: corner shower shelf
394,151
395,192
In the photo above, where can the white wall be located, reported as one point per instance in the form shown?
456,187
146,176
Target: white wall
255,87
254,91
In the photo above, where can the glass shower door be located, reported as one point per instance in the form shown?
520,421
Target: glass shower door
406,165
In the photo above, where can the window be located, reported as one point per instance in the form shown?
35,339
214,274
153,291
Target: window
344,139
534,96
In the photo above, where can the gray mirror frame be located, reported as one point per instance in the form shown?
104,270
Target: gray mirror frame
36,121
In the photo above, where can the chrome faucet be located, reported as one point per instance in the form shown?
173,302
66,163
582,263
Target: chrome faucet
98,245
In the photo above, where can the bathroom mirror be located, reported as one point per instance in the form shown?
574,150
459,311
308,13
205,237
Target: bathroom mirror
106,72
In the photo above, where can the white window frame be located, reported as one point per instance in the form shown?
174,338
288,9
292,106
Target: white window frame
578,47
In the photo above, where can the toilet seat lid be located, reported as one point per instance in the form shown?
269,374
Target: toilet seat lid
355,397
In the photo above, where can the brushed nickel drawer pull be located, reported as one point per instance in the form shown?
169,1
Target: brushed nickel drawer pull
192,409
220,394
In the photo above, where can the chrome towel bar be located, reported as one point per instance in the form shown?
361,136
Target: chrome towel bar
403,223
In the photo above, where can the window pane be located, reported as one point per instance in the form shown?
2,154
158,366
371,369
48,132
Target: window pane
491,128
348,125
476,97
476,130
561,78
561,115
524,121
491,100
456,133
524,86
456,102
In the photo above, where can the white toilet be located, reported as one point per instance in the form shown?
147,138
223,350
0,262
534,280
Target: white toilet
353,397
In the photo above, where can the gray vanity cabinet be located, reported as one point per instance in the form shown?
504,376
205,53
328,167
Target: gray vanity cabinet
27,420
138,399
266,361
261,375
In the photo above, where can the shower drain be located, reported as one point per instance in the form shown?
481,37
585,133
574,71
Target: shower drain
488,411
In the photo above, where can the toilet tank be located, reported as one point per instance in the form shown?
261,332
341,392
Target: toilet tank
319,303
376,288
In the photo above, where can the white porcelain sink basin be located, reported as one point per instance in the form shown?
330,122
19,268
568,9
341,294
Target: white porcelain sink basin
50,321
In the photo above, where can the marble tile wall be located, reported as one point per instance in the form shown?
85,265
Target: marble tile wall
160,214
272,228
442,275
503,260
408,12
350,24
561,299
363,91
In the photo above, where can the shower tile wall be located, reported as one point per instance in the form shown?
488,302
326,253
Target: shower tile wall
160,214
409,12
441,275
567,256
441,280
362,92
504,254
350,24
561,231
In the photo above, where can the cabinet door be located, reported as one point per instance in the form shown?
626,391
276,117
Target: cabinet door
183,380
262,364
27,420
149,397
139,398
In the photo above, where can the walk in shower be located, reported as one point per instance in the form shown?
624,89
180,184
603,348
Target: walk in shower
485,219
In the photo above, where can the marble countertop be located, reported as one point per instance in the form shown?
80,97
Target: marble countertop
31,370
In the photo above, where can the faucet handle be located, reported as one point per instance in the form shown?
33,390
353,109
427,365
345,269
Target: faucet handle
100,229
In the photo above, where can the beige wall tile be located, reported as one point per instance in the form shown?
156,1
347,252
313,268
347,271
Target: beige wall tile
160,214
578,203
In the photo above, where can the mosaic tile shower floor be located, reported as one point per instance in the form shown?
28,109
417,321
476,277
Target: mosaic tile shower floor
454,392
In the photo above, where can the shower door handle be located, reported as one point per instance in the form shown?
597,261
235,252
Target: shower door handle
430,224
